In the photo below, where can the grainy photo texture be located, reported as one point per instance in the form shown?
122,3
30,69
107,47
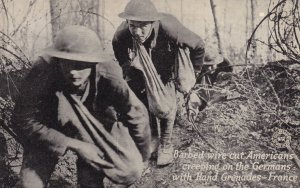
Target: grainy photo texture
149,93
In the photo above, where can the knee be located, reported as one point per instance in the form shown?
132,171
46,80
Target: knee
30,179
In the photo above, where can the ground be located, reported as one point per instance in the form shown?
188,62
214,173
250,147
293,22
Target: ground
244,140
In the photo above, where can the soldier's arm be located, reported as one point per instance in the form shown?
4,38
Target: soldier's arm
28,118
184,37
132,111
120,43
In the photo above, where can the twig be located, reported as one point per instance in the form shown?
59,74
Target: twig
26,63
9,131
16,46
291,151
24,18
254,31
202,137
81,11
6,14
271,86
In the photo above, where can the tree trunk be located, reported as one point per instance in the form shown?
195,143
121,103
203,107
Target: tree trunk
253,11
6,17
65,12
217,32
101,21
247,19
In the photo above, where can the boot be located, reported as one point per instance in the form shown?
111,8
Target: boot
165,154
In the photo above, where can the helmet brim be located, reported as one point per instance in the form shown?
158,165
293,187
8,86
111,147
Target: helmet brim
84,57
143,18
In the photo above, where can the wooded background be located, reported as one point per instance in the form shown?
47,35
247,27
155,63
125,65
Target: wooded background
32,24
247,32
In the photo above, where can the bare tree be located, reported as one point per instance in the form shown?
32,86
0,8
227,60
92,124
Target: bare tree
284,30
101,21
217,32
253,12
247,19
65,12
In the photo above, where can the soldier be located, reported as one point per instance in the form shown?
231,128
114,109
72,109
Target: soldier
161,35
75,99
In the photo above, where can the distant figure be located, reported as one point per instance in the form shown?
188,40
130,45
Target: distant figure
161,35
75,99
203,93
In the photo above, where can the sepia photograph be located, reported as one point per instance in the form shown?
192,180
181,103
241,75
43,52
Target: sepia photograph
149,93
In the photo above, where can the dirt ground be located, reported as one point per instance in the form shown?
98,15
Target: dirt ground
240,142
233,133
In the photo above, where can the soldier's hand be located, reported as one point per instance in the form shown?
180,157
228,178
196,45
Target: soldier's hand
90,153
193,107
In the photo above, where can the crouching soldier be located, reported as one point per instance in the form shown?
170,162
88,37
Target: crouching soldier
161,35
75,99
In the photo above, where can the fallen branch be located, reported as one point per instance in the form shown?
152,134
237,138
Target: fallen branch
9,131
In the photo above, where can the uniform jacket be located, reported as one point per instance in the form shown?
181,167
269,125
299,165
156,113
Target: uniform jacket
41,122
167,35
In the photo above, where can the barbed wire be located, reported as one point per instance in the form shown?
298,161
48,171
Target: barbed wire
284,30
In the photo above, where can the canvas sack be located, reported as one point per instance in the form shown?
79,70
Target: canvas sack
184,71
158,96
117,145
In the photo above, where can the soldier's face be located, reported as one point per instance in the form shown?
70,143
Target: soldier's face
76,73
140,30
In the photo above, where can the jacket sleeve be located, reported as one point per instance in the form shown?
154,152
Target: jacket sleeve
29,121
120,44
133,113
184,38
